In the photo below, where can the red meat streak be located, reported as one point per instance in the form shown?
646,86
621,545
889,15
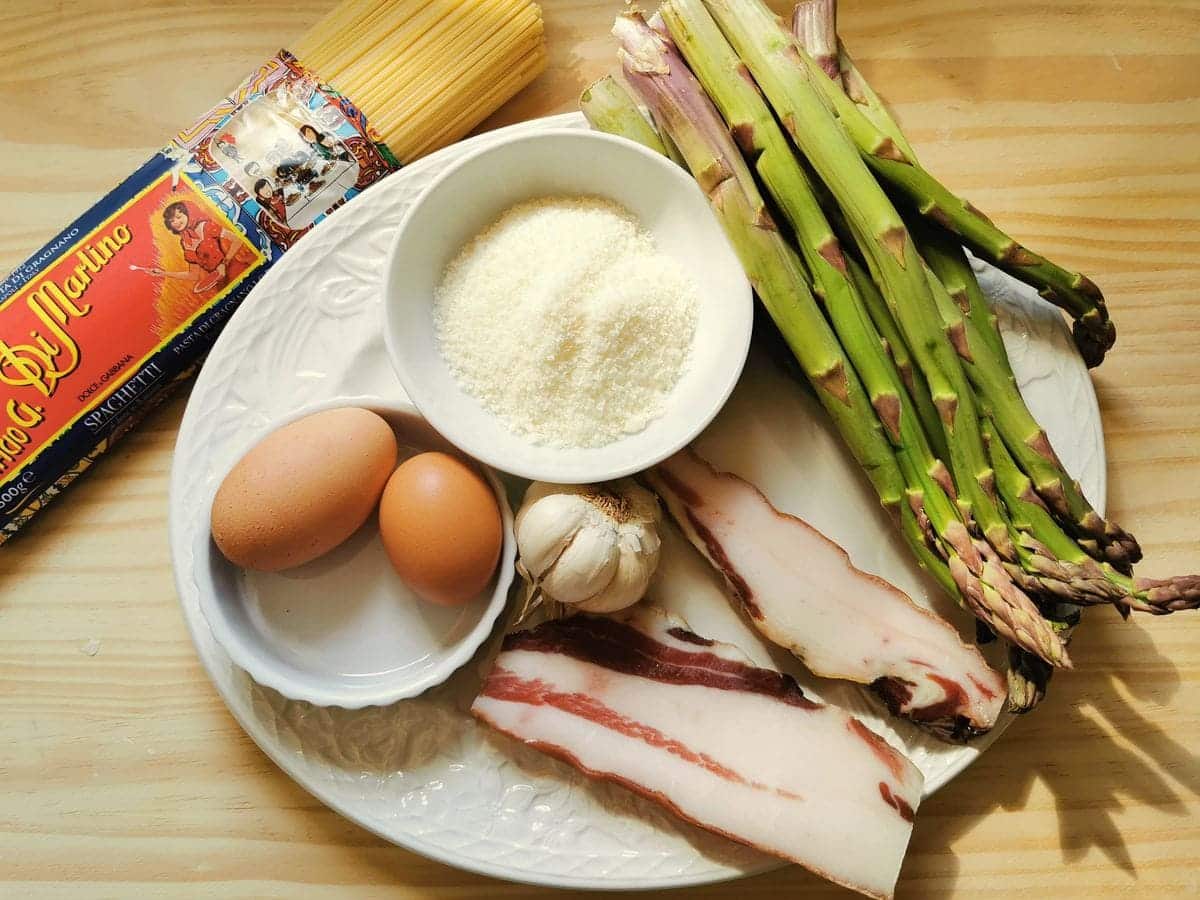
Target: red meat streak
982,688
881,748
622,648
504,685
986,691
955,699
689,637
888,756
897,803
897,693
691,501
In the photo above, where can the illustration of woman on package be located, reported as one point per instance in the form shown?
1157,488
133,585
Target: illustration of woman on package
324,145
214,255
271,199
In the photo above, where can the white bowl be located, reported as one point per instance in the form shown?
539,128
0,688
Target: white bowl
472,194
344,630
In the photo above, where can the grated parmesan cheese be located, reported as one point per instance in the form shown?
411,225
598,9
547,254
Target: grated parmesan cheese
566,322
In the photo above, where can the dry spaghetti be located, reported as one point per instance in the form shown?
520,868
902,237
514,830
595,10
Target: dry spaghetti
427,71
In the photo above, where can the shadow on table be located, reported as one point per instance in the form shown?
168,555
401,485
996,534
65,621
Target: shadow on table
1089,748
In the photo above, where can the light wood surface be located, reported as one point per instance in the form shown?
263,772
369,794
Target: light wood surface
1077,125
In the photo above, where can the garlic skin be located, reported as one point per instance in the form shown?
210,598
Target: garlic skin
591,547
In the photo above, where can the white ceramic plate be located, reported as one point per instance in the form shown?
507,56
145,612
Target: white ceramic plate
421,773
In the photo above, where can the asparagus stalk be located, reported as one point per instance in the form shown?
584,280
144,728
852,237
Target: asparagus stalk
722,75
658,75
774,60
624,125
1028,676
1093,330
859,90
1052,559
945,256
1052,564
814,22
1057,573
876,136
673,152
897,349
988,369
608,107
889,333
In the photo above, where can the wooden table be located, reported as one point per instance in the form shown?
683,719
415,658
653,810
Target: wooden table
1075,125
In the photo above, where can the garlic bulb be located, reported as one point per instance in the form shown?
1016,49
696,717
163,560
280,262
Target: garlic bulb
590,547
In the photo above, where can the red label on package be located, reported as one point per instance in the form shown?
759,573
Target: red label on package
123,304
69,339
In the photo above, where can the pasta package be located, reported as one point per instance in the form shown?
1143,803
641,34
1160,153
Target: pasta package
124,303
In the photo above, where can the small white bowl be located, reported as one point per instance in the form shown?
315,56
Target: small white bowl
472,194
344,630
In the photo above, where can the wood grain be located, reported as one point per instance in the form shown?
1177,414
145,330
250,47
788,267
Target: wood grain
1077,125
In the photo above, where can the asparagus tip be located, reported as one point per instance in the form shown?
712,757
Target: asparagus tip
1094,338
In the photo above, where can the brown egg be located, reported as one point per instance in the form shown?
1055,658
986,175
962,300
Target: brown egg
303,489
441,528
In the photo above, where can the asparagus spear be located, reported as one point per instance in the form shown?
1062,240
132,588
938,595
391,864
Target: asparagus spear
889,333
722,75
608,107
814,22
897,348
658,75
1055,573
624,125
989,372
1051,557
774,60
872,106
673,152
1093,330
893,161
950,262
945,256
1028,676
1052,564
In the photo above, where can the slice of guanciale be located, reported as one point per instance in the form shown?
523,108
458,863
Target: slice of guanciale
801,591
695,726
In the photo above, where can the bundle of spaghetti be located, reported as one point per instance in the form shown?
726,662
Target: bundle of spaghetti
426,72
